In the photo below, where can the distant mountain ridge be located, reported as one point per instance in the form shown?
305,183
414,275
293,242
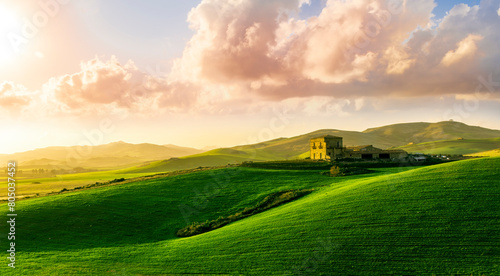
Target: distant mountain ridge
426,132
112,155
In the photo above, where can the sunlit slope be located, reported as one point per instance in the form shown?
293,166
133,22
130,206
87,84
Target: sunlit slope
108,216
441,220
461,146
491,153
213,158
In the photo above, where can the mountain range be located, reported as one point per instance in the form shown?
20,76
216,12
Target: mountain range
108,156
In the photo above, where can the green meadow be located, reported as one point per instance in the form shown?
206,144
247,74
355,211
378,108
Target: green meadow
435,220
44,186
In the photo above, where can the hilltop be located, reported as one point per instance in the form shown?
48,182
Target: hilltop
402,134
457,146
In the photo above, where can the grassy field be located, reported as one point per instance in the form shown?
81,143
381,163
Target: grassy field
43,186
440,220
213,158
456,147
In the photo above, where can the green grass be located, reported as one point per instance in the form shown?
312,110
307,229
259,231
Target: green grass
43,186
213,158
456,147
441,220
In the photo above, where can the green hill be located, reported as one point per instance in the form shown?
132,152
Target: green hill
462,146
416,133
440,220
290,148
144,158
297,147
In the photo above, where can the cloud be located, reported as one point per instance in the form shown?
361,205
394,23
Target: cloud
13,96
103,86
245,53
233,39
466,49
353,48
398,61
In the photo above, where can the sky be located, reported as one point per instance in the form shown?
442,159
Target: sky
218,73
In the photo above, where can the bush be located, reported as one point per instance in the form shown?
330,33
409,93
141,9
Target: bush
270,201
335,171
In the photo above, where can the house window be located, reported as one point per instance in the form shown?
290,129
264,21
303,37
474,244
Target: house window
384,156
320,156
367,156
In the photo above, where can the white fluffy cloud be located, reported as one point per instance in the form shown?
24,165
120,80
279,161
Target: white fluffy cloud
467,48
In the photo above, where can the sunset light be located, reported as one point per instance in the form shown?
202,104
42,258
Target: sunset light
250,137
9,22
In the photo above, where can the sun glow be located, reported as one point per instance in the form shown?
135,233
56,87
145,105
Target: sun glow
9,23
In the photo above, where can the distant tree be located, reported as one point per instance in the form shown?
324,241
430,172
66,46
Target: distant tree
79,169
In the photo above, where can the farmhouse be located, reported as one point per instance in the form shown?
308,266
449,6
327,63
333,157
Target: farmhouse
330,147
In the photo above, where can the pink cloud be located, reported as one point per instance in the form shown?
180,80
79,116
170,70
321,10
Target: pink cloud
110,85
249,52
13,96
352,48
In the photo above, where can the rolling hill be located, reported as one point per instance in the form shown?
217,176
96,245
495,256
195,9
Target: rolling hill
440,220
402,134
457,147
143,158
297,147
108,156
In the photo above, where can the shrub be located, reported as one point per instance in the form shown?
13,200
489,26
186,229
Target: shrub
270,201
335,171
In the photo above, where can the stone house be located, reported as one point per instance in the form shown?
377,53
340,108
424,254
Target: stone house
330,147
